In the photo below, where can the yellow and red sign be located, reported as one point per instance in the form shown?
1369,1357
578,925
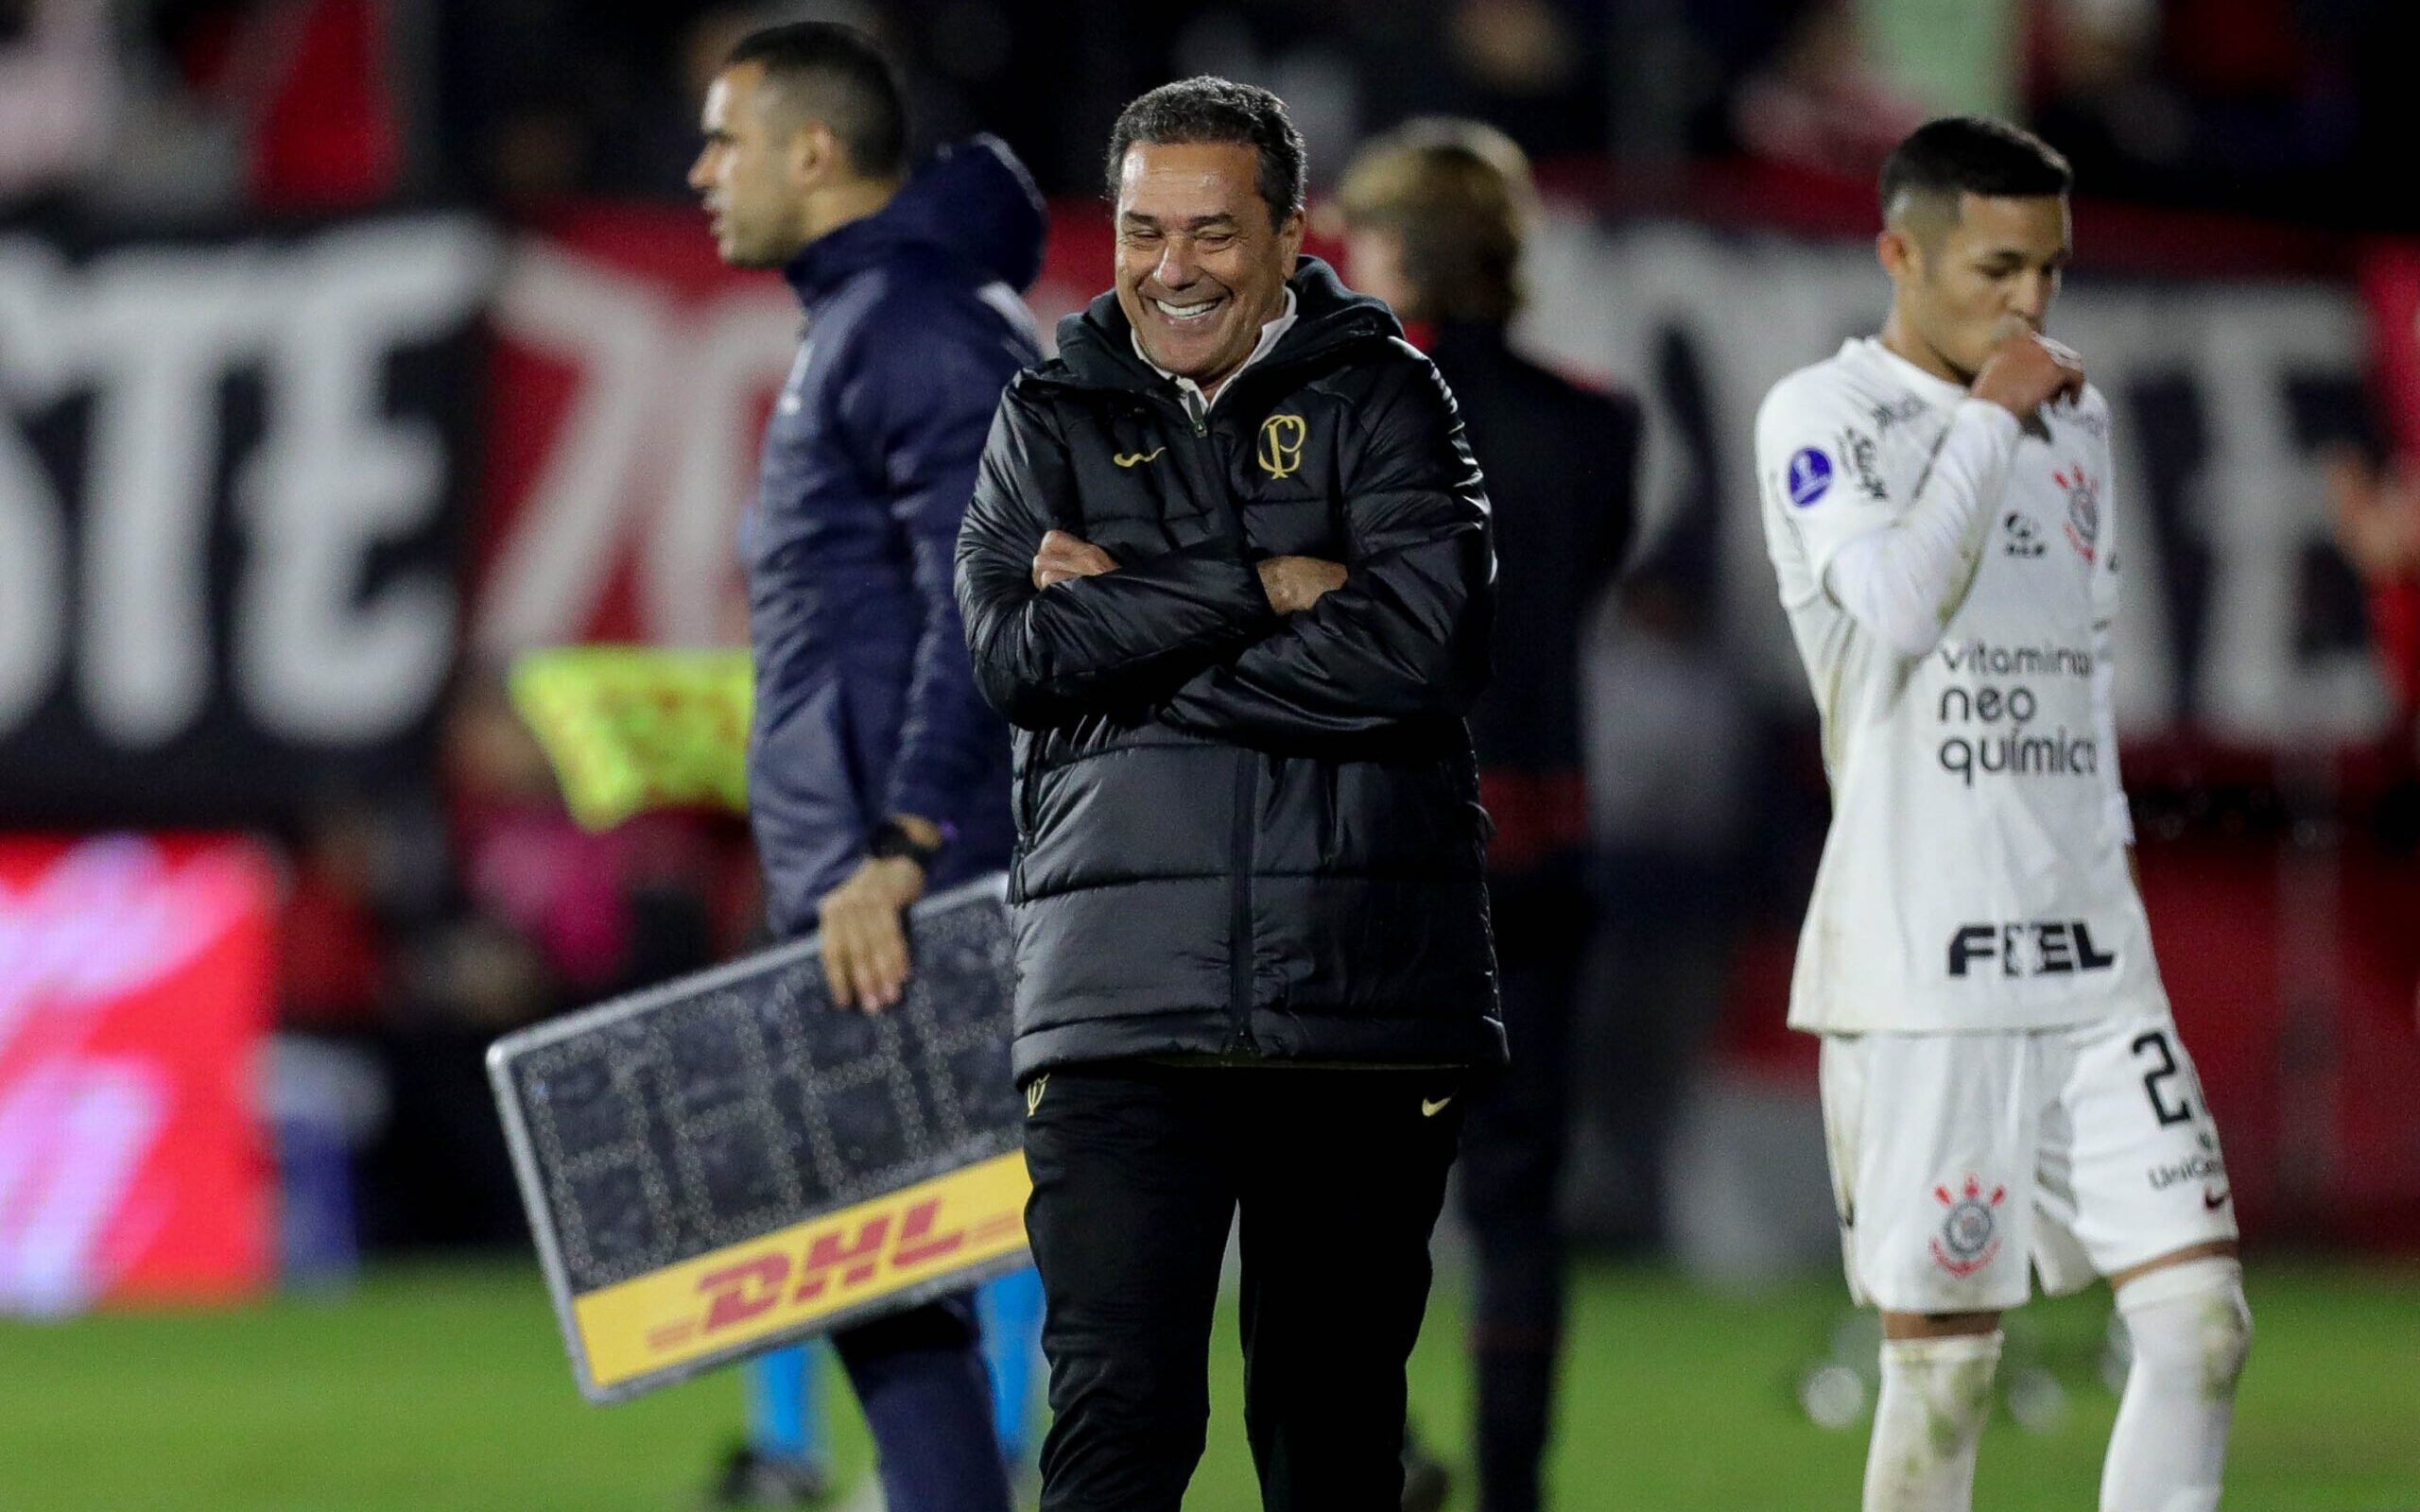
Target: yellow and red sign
782,1283
632,728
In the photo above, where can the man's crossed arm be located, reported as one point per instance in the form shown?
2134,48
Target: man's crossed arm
1285,647
1292,584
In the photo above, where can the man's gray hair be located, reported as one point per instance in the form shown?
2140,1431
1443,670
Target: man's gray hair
1208,109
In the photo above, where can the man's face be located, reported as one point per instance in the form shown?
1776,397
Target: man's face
744,173
1199,268
1992,271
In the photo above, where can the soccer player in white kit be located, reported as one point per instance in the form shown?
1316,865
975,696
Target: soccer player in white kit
2003,1087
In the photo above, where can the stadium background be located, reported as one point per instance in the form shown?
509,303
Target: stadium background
349,349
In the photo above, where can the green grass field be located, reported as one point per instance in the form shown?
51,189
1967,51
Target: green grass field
443,1389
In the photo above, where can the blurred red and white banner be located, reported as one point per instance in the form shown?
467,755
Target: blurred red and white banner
230,479
135,981
632,374
2391,287
629,385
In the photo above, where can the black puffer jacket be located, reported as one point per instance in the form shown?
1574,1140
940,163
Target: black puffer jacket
1241,835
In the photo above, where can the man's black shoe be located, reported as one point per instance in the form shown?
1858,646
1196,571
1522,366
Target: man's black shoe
749,1479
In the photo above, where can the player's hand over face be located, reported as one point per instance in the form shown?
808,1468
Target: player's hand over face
865,946
1294,584
1063,556
2027,370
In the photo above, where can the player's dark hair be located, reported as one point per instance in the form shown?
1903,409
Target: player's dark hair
842,79
1207,109
1976,155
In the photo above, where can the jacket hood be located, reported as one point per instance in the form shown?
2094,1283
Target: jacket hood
972,202
1097,345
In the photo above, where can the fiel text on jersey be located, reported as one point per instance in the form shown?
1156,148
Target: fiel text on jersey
2052,947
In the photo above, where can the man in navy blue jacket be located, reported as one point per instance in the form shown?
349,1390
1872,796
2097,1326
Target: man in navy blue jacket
875,771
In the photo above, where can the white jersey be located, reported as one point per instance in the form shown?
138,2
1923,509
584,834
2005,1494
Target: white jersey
1975,876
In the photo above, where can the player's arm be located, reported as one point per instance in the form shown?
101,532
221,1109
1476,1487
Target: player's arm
1057,629
1899,556
2105,584
926,400
918,405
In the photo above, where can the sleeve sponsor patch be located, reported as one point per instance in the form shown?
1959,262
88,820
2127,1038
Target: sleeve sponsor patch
1862,458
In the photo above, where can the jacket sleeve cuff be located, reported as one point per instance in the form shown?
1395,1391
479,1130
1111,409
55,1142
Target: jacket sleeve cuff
922,795
1259,613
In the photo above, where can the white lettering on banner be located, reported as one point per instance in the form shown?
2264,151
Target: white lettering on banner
158,328
658,444
33,542
1669,308
335,477
608,327
152,334
2259,503
33,578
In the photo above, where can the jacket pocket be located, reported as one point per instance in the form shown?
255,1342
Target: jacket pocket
1401,818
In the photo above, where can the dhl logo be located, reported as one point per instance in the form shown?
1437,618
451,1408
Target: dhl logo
791,1278
736,1293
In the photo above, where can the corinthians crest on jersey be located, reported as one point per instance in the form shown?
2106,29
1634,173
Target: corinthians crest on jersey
2083,508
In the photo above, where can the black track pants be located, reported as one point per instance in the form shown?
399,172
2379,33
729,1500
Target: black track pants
1138,1170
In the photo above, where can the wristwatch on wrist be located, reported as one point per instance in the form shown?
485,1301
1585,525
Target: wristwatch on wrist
891,839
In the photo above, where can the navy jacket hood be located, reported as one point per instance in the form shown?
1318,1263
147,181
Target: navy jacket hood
971,202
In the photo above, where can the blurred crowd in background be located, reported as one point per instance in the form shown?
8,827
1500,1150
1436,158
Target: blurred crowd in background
440,895
2284,108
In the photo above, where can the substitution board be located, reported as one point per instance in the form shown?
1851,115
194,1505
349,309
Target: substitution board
728,1162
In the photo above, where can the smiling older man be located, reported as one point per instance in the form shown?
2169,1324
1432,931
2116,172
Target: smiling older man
1227,570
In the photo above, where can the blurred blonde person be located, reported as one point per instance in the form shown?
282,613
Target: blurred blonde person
1435,217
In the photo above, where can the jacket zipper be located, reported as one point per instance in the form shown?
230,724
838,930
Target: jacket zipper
1242,845
1239,931
1030,772
1243,848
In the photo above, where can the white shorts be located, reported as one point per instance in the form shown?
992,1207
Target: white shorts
1959,1158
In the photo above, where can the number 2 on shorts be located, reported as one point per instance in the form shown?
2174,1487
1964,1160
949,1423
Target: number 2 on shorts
2182,1112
